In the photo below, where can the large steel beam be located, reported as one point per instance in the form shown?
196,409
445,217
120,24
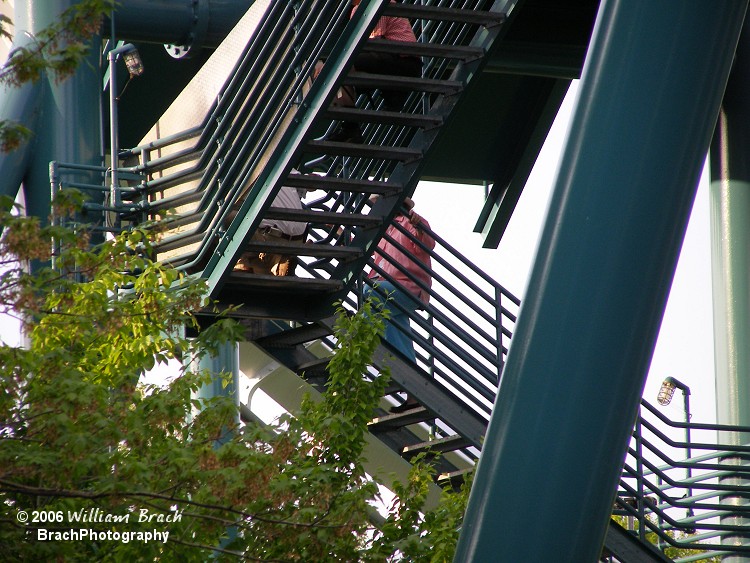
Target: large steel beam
730,257
730,238
225,362
64,115
199,23
648,100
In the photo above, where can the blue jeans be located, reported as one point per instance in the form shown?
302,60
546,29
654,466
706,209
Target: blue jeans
398,331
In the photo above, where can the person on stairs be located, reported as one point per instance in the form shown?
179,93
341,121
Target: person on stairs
402,64
410,273
271,264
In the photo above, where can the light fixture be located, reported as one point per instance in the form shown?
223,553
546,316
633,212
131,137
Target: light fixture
668,388
135,68
666,392
133,62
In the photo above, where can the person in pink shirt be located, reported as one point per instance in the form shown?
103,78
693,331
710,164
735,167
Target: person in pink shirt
410,275
392,29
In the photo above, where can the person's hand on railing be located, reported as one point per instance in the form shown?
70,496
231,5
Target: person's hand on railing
415,219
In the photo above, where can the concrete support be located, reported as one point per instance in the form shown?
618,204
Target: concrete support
730,254
648,100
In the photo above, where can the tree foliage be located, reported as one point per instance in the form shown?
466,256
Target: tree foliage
56,50
81,441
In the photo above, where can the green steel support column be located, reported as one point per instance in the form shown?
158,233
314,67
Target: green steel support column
225,361
19,104
730,252
648,100
68,129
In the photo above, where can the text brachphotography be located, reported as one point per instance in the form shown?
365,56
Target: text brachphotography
87,534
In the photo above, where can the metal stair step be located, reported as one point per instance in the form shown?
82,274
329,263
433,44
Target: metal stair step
317,368
316,182
321,217
304,249
398,420
453,479
403,154
418,49
441,445
382,116
282,283
406,83
295,336
625,545
416,11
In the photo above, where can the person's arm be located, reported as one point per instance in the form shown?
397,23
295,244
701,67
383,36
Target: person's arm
418,222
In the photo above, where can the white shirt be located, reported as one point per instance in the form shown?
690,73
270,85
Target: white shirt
287,198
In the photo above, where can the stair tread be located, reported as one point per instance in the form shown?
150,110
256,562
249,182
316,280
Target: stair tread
453,478
281,246
447,444
407,83
321,217
383,116
397,420
419,49
315,364
362,150
295,336
416,11
314,181
283,283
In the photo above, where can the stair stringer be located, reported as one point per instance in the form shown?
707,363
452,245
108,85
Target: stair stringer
261,372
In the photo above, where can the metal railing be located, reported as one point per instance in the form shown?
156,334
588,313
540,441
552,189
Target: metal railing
461,336
691,498
203,172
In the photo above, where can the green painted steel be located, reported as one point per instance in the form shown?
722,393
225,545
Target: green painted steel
20,105
224,362
730,256
730,236
730,222
648,101
68,126
201,23
230,246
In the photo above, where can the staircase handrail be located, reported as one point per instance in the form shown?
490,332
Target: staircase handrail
680,500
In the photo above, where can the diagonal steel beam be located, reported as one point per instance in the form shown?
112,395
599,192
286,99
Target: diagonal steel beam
649,96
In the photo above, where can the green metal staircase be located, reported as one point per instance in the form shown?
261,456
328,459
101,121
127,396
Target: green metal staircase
460,353
207,187
220,177
262,131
